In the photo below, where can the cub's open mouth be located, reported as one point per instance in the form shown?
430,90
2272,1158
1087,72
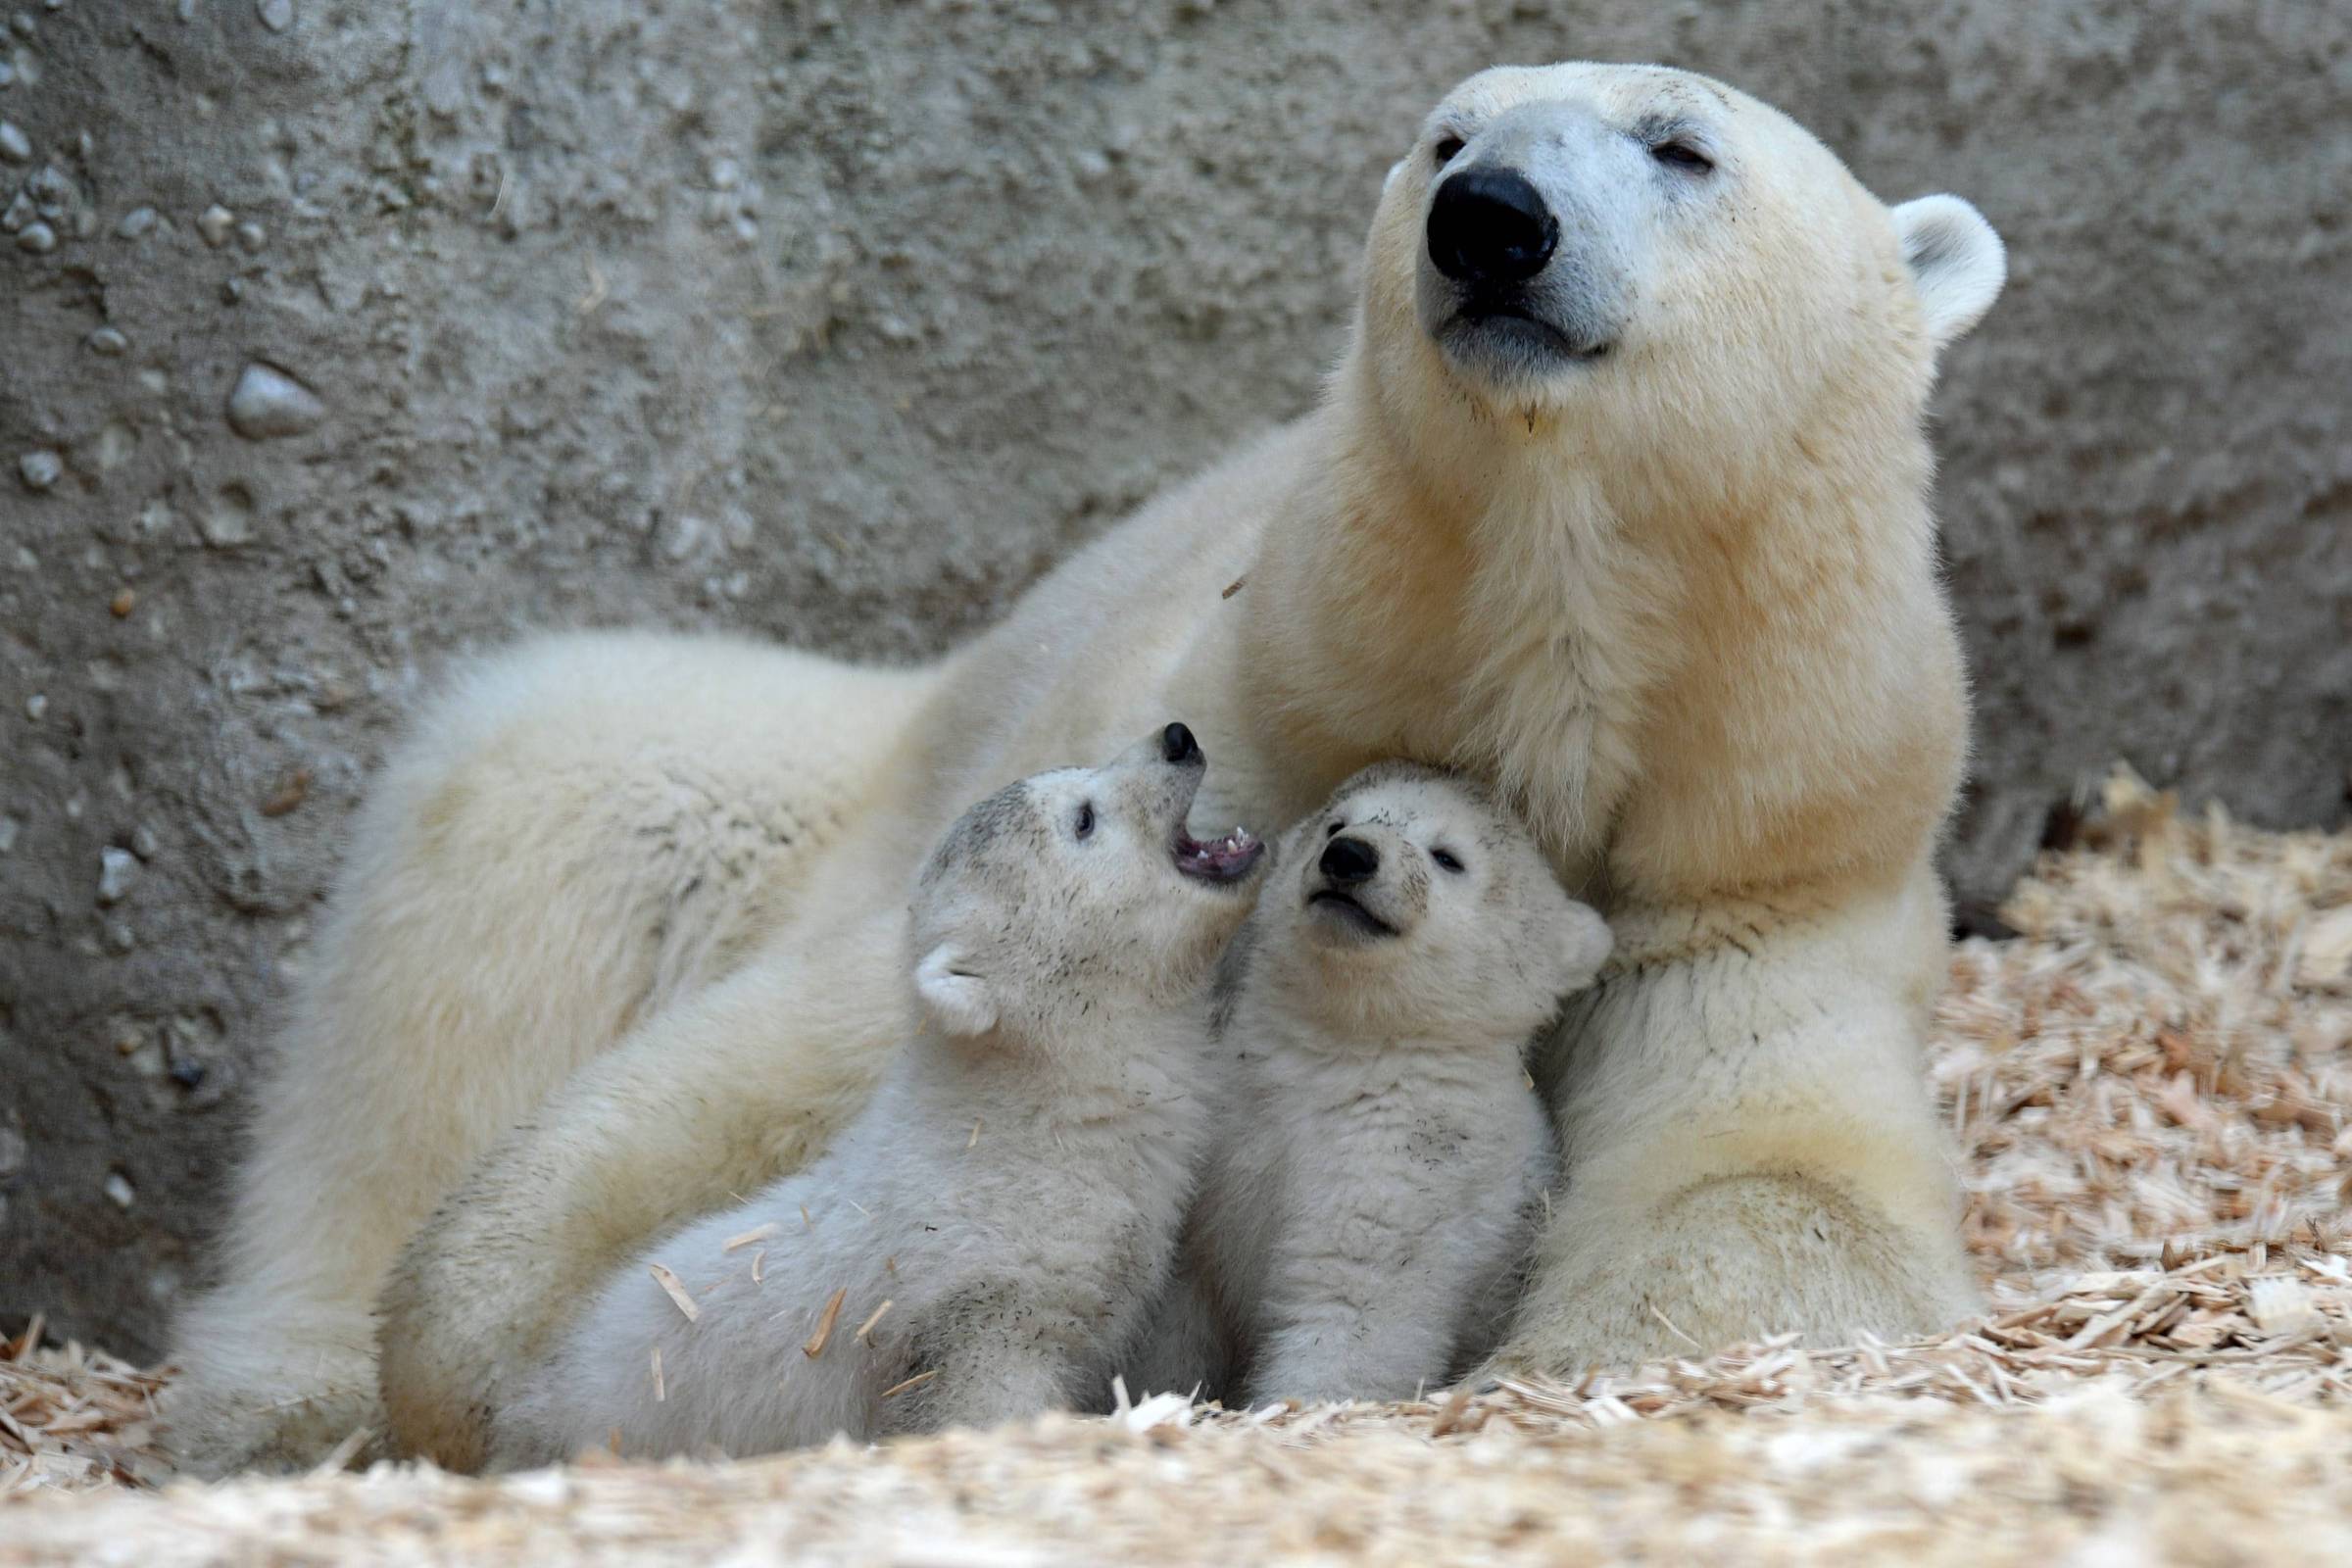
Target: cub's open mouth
1342,906
1225,860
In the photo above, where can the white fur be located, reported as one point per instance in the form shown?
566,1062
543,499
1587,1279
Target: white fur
1365,1221
1012,1191
1957,260
1679,602
572,839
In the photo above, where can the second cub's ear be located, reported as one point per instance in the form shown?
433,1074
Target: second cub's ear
957,999
1588,943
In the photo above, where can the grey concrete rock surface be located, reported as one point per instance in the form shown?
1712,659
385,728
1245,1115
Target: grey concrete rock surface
339,338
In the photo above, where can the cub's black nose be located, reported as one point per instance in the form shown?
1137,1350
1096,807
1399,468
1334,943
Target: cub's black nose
1489,226
1177,745
1349,862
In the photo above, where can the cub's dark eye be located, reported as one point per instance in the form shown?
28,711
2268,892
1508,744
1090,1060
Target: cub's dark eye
1086,819
1444,857
1682,156
1445,148
1333,831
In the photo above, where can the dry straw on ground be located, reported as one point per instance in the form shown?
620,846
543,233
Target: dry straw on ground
2150,1089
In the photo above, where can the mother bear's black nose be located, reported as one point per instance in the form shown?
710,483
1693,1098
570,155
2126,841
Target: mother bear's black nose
1177,745
1349,862
1489,226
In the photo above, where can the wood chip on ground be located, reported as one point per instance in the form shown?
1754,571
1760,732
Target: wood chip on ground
2151,1094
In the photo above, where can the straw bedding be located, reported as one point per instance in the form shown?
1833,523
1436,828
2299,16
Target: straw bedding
2150,1089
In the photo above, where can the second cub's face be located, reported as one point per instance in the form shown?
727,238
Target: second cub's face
1416,897
1078,888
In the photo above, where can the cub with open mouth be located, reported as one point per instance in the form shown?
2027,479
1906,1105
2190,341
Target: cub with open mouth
980,1244
1364,1221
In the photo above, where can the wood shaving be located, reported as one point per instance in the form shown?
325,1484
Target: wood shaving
757,1233
824,1324
675,1289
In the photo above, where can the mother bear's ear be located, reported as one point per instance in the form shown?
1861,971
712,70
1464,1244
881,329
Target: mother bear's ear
1955,259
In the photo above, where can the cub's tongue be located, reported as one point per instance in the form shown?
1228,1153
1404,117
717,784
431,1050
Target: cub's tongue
1219,859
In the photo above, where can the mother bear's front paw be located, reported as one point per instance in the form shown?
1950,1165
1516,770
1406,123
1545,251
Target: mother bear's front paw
1728,1261
462,1305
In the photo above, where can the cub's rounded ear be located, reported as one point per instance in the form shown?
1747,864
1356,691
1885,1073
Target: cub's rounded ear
1389,178
1587,943
959,999
1956,260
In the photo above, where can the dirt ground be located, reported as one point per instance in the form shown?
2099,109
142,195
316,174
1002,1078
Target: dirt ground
2149,1088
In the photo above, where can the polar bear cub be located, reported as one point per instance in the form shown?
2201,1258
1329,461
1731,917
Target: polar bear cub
984,1237
1363,1225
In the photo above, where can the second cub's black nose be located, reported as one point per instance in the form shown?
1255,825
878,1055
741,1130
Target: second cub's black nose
1177,745
1348,862
1489,226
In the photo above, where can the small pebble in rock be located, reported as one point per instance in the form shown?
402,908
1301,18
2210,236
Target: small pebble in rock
143,841
9,827
267,402
214,225
252,235
683,537
40,469
138,220
228,521
107,341
35,705
276,15
14,145
117,870
232,289
39,239
121,604
119,1191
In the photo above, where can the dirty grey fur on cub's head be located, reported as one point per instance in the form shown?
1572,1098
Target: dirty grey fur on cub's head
1420,901
1075,889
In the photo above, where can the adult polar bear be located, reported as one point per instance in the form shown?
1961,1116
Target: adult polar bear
1618,498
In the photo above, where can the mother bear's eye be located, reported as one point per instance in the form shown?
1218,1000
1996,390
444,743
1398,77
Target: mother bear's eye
1445,148
1086,819
1445,858
1679,154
